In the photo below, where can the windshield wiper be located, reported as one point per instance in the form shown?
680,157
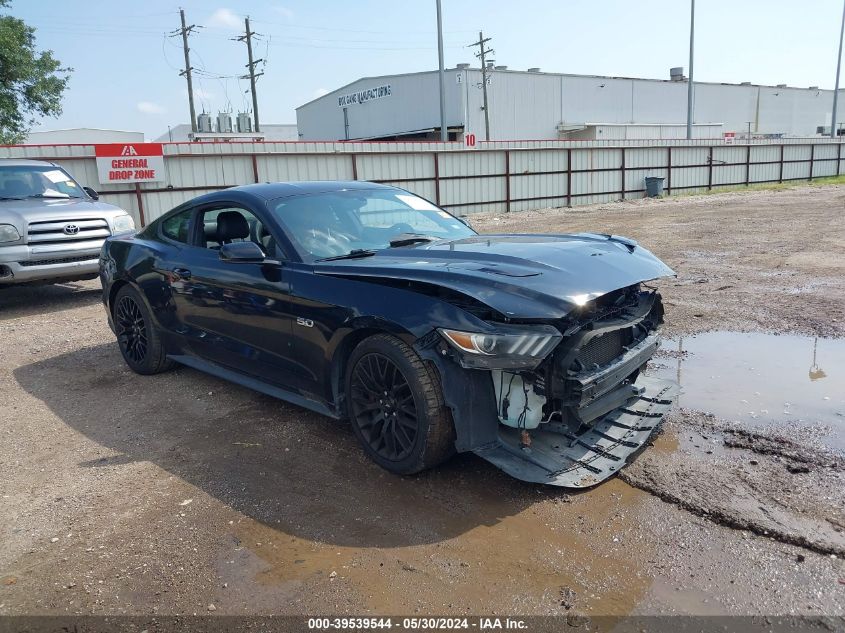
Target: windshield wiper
59,197
406,239
353,254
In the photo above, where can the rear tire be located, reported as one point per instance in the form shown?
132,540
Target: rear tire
396,406
140,343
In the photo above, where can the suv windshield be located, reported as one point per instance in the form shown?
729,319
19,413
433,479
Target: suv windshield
36,181
341,222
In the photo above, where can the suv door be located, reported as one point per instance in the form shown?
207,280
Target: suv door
235,314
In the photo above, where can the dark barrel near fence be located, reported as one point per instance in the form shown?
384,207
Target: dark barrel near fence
653,186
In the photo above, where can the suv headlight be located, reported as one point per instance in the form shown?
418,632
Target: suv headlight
507,348
8,233
123,223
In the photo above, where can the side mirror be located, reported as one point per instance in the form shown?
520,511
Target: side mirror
91,193
242,253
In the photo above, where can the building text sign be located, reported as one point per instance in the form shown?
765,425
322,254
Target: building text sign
129,162
362,96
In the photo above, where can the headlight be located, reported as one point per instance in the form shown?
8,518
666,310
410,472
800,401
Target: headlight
123,223
507,348
8,233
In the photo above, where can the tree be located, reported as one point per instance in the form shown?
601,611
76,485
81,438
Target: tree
31,82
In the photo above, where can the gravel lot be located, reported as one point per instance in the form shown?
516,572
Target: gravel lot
182,494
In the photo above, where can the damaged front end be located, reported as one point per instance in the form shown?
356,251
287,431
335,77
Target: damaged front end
571,402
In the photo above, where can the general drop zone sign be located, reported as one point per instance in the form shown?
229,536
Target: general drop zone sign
129,162
362,96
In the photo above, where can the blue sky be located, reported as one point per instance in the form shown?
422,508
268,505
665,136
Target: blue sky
126,68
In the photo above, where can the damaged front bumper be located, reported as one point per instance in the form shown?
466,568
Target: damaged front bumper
575,419
557,457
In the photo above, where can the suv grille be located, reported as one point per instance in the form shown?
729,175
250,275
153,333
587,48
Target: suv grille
58,260
67,231
603,349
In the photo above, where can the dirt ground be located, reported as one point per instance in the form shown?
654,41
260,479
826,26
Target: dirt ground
183,494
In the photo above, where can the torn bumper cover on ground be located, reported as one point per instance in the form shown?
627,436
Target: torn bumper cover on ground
559,458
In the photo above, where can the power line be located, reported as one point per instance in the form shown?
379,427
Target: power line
345,30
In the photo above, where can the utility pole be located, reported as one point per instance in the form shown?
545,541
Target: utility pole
689,86
444,133
184,32
482,54
252,75
833,128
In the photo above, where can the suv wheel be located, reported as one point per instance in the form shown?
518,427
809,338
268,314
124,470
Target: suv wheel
139,341
396,406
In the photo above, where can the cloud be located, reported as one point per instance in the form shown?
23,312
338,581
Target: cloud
150,107
225,19
199,93
319,92
286,13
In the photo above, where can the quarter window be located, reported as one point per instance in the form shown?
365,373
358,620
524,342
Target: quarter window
176,227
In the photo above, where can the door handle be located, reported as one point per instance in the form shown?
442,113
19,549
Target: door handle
182,273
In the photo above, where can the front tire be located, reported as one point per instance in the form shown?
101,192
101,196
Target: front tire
396,406
139,342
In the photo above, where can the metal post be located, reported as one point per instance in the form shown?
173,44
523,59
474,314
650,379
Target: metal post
812,160
623,174
748,165
710,168
833,129
444,132
689,86
139,198
507,181
668,171
436,178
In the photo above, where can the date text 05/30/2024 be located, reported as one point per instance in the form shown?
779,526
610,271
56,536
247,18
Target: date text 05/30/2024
480,623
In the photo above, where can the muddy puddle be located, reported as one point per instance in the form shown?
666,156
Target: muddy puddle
760,379
576,553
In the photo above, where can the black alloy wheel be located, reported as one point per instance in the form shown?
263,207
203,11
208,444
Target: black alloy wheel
131,330
140,343
395,404
383,407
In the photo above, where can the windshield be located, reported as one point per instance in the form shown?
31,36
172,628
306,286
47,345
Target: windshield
37,181
341,222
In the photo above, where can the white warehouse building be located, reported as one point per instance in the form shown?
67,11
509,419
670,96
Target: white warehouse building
537,105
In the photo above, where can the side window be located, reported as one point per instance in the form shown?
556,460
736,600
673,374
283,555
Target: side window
224,225
176,226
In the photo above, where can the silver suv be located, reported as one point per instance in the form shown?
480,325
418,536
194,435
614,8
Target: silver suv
51,228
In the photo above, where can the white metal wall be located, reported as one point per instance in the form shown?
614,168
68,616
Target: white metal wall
530,105
504,176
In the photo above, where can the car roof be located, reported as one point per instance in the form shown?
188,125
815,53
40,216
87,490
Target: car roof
24,162
274,190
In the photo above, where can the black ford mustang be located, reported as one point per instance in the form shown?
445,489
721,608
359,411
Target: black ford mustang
367,302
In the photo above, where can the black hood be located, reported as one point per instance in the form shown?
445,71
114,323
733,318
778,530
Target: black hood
520,276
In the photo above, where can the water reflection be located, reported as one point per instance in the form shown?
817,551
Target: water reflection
760,378
816,372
